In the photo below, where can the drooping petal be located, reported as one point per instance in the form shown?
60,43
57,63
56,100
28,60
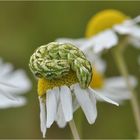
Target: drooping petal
86,103
42,116
66,101
102,97
75,103
51,105
117,95
60,119
93,100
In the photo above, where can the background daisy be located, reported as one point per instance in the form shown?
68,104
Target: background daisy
13,84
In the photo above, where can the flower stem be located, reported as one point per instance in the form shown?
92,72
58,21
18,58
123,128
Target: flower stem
74,130
123,70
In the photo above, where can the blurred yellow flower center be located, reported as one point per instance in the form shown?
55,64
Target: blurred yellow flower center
104,20
97,81
44,84
70,79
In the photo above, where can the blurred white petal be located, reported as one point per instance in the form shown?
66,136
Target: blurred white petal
42,116
99,63
135,31
17,79
8,103
77,42
122,28
86,103
66,101
51,105
135,42
136,19
12,84
13,81
119,82
127,28
104,40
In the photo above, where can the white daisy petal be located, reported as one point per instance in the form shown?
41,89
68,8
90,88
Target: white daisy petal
86,103
104,40
42,116
122,28
5,68
22,86
75,104
66,101
103,97
6,102
128,28
51,105
93,100
76,42
119,82
99,63
60,117
135,42
135,31
136,20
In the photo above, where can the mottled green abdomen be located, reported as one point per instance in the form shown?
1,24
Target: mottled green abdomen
54,60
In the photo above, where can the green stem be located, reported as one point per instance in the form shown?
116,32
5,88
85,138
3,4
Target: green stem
123,70
74,130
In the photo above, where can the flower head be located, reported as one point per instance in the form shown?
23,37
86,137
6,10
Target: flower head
64,75
104,20
55,60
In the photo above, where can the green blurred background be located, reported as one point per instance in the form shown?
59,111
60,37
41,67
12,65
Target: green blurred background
26,25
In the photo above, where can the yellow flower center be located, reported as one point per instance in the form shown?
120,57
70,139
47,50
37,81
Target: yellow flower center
104,20
97,81
70,79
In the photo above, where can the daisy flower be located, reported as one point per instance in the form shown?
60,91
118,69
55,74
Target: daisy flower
114,87
104,30
13,84
64,75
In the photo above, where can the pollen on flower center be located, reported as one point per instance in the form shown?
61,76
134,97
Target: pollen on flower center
97,81
104,20
44,84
